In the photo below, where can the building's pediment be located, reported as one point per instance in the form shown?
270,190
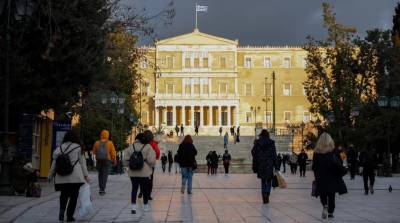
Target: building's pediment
196,38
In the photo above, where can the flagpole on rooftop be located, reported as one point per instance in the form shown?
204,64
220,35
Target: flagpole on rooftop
195,9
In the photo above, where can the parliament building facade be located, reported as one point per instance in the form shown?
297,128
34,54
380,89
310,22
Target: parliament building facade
197,79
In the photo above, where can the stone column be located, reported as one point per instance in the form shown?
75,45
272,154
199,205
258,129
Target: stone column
229,115
183,111
173,115
210,116
236,116
201,116
192,116
157,123
219,114
191,86
165,115
209,87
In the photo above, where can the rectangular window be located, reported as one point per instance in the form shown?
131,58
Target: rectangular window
287,89
223,88
205,62
196,86
143,64
169,118
248,89
287,116
204,82
170,62
222,62
306,116
267,62
196,62
268,117
169,88
286,62
145,88
187,87
248,117
304,62
268,89
187,62
247,62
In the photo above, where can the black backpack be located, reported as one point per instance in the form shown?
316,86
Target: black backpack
136,160
64,166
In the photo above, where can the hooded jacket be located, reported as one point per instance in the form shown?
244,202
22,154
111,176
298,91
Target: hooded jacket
111,153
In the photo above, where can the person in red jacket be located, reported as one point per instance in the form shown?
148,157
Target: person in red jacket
154,144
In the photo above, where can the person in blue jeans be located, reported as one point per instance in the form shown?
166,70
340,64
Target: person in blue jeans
265,162
187,161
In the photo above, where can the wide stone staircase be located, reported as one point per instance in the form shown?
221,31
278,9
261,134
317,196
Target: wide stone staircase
240,152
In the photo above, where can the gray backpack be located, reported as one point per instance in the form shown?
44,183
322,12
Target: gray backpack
102,151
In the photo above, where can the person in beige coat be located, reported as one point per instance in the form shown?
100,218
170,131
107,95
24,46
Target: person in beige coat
69,185
141,177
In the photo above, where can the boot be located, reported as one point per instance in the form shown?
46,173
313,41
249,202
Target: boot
61,215
265,198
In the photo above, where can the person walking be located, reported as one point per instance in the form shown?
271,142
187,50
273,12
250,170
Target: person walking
328,172
220,131
232,130
352,159
154,145
368,162
293,163
182,130
264,158
164,161
302,161
176,163
177,130
105,154
196,130
214,162
187,160
208,160
68,184
226,138
170,161
279,161
284,161
226,160
140,177
238,134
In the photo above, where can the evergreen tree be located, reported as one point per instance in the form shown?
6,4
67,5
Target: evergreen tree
396,26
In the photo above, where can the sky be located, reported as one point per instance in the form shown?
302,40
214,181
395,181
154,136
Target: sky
267,22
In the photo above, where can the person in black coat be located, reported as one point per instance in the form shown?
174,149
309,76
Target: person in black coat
328,172
226,160
352,158
214,162
302,161
264,162
187,161
170,161
285,159
369,162
164,160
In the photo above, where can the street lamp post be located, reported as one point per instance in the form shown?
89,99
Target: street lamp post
266,99
255,109
386,102
302,125
119,102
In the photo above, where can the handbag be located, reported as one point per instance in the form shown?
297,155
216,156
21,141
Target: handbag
314,189
275,181
281,180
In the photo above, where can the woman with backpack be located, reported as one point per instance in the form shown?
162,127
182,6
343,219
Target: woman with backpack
328,172
187,160
70,173
141,158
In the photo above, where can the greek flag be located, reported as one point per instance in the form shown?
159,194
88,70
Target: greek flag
201,8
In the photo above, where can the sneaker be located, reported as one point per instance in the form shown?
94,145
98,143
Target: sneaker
330,215
189,192
146,207
324,212
102,193
133,209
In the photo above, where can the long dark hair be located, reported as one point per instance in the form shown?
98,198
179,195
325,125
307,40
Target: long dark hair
188,139
72,136
264,134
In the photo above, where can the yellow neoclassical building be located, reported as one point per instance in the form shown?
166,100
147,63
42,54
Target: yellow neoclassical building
197,79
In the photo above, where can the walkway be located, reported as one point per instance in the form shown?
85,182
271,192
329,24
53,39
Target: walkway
233,198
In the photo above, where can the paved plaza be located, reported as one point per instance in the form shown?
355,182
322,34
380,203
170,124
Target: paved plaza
232,198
